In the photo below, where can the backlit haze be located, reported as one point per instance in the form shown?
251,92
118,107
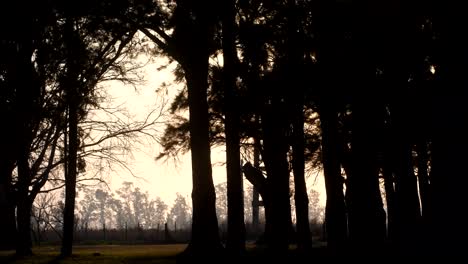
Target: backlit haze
163,178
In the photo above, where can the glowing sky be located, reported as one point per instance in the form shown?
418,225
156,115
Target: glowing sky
159,178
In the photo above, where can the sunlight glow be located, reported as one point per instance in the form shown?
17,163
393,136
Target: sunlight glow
432,69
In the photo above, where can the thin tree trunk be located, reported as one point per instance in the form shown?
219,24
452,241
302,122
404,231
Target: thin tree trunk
423,176
70,180
389,196
300,195
255,194
236,227
296,108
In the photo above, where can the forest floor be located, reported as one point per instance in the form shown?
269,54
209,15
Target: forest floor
146,254
102,254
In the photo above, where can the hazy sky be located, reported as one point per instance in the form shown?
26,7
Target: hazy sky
159,178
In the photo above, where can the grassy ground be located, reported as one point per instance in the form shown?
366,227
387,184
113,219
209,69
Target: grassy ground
105,254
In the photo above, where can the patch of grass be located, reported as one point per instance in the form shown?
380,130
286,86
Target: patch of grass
105,254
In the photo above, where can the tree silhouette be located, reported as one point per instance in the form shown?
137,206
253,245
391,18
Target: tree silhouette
236,227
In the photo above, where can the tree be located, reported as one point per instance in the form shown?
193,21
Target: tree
179,214
236,227
88,212
72,144
103,198
194,60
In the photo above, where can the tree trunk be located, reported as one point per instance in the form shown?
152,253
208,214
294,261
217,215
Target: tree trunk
255,193
7,210
300,195
387,173
295,53
24,246
27,99
70,179
236,227
408,214
205,237
367,228
277,206
23,219
335,211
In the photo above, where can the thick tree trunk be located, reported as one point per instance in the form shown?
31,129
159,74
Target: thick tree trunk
24,207
27,99
407,214
23,218
335,211
449,180
8,156
7,210
236,227
367,218
277,206
205,237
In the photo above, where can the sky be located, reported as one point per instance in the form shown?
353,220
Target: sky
162,179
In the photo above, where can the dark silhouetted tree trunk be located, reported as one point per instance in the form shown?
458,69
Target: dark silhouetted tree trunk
448,176
27,99
300,194
205,235
236,227
407,214
190,46
255,193
23,218
335,211
367,218
70,179
277,206
295,54
7,221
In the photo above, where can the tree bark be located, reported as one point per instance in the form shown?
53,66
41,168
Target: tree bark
236,226
7,210
300,195
255,192
407,213
366,214
24,207
335,211
70,179
205,237
277,206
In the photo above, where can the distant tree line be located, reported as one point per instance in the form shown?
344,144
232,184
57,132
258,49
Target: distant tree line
128,208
